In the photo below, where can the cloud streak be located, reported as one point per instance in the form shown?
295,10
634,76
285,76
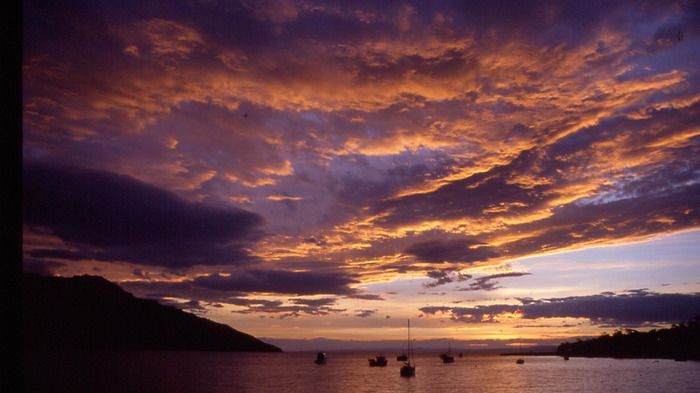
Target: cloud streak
464,251
299,307
636,308
279,281
489,283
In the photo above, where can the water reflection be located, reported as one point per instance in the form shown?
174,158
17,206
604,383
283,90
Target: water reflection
119,371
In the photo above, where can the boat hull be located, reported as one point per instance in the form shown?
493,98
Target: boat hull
379,361
408,371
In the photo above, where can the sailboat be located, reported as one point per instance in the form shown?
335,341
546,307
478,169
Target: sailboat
447,356
521,359
409,367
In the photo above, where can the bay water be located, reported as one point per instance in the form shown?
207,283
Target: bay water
157,371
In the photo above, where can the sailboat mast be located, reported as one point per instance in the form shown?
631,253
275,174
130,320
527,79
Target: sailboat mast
410,344
409,368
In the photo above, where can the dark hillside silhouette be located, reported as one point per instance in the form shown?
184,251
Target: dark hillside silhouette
680,342
91,312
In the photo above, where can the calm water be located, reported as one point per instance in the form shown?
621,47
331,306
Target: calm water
126,371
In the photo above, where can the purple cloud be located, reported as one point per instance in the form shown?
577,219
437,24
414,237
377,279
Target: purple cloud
465,251
630,309
279,281
315,307
113,218
365,313
443,277
489,283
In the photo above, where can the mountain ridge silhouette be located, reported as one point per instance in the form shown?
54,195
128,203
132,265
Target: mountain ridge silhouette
90,312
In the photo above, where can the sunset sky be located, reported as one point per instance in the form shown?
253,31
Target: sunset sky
493,170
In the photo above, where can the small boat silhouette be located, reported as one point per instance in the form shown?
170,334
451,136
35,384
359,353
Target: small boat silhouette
321,358
379,361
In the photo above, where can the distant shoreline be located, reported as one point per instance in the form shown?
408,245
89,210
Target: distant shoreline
680,342
530,354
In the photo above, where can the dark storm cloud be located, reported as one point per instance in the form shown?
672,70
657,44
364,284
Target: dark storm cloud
566,25
319,241
643,201
257,302
365,313
369,181
233,290
489,283
634,308
337,27
42,267
162,290
446,66
279,281
635,217
550,23
326,301
367,296
57,253
314,307
192,306
465,251
53,21
471,197
443,277
649,200
484,283
111,217
638,134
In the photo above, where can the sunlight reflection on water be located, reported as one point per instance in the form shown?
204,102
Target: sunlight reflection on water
152,371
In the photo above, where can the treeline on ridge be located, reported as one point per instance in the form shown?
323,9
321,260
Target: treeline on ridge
680,342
